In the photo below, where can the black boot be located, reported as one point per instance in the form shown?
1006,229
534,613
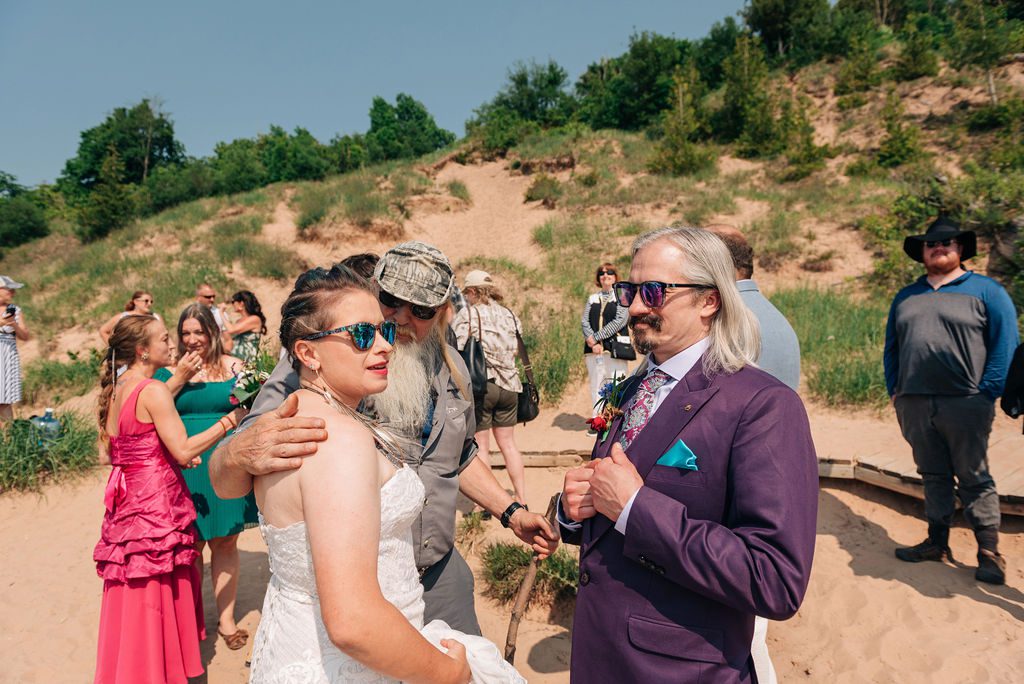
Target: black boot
991,565
934,548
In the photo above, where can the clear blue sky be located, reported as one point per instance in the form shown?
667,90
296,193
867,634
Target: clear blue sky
229,70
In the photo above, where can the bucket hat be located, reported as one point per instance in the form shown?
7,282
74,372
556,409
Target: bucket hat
416,272
10,283
944,228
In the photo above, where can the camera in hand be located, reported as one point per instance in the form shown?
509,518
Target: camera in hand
11,310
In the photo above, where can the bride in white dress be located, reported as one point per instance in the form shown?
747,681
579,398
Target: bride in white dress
344,602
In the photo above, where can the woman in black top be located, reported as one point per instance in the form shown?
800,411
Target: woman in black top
606,345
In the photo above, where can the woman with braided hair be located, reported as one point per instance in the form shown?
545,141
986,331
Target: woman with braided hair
151,620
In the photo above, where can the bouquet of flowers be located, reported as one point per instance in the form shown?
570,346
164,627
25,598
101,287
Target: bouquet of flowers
251,378
610,401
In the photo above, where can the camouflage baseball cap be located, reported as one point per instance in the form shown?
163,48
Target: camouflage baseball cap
416,272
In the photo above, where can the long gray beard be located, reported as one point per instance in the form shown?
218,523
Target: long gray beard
402,407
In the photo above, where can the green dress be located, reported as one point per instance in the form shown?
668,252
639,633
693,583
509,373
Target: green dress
200,405
247,346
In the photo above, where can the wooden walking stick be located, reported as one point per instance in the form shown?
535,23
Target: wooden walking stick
525,589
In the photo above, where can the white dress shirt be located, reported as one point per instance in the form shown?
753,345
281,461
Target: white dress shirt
676,367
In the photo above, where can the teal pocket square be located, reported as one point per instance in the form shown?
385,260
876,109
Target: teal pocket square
679,456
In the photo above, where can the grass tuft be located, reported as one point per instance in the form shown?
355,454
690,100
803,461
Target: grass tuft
24,463
504,566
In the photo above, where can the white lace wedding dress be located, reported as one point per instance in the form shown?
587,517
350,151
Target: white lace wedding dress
292,646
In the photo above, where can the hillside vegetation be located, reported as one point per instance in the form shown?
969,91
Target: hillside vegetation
825,160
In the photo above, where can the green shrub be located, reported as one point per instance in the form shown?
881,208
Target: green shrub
851,101
504,566
21,220
24,463
111,204
362,201
313,203
168,186
1005,115
259,259
52,382
864,167
902,142
859,72
773,239
546,189
458,190
917,58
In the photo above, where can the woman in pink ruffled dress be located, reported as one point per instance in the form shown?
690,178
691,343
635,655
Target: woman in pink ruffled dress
151,620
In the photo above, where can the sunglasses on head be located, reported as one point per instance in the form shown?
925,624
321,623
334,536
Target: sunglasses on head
652,292
424,313
362,334
945,243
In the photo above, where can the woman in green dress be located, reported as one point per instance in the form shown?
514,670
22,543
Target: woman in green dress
249,326
202,400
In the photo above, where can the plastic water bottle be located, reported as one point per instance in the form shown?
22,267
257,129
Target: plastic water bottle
47,427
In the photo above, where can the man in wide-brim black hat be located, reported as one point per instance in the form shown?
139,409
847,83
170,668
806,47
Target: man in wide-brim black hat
944,232
948,344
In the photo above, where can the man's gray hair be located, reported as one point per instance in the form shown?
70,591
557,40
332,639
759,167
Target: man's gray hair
735,337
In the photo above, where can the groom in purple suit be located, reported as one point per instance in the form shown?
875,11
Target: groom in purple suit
698,509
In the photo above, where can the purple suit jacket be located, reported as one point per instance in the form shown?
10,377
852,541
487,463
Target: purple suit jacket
674,599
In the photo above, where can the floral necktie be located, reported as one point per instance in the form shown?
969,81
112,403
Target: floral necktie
642,406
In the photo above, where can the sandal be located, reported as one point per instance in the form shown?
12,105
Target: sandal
237,640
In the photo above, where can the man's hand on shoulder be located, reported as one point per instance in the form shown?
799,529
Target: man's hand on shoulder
276,441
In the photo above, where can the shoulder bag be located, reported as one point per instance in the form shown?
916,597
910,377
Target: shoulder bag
529,398
473,354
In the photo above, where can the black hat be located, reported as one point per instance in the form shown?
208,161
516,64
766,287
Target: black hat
944,228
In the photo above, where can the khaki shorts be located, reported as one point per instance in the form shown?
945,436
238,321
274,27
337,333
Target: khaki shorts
499,409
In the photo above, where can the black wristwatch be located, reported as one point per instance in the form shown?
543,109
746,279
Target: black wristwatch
506,517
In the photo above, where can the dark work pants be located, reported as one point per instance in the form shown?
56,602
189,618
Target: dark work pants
949,436
448,594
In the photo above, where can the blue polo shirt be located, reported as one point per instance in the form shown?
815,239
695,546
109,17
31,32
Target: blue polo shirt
956,340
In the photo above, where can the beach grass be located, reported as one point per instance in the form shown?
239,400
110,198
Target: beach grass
504,566
53,381
24,462
841,339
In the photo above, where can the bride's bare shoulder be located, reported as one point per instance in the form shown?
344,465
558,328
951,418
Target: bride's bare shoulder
345,434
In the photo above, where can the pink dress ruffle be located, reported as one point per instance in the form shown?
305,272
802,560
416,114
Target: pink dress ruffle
151,620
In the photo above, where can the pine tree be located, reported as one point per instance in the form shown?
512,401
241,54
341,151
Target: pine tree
111,204
981,36
902,142
746,78
679,153
917,58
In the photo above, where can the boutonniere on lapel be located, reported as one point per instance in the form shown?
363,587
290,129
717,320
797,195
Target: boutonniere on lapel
609,403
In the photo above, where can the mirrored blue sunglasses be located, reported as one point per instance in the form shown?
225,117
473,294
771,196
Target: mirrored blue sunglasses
362,334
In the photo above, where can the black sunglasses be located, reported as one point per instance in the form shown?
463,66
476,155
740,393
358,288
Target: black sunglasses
945,243
424,313
362,333
652,292
601,273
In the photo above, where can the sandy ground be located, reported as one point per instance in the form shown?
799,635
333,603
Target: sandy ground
867,617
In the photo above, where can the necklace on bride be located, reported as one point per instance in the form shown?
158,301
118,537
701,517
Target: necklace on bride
385,443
